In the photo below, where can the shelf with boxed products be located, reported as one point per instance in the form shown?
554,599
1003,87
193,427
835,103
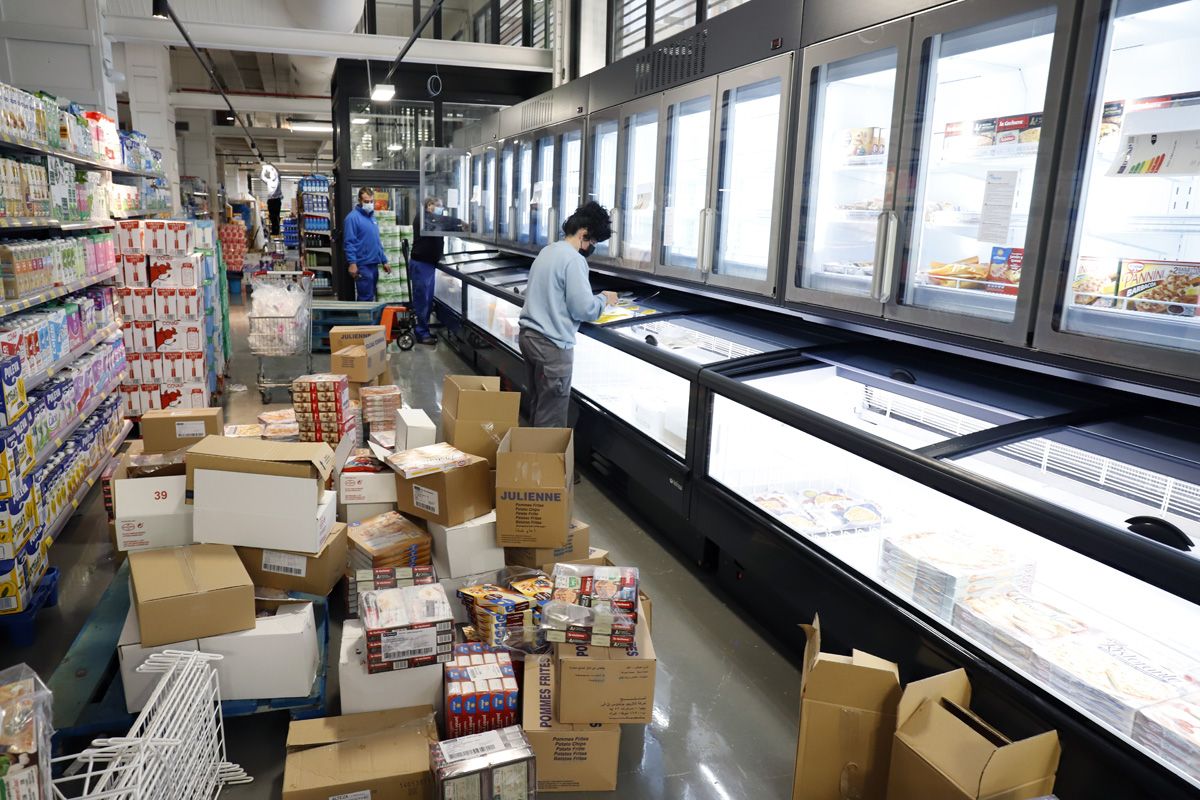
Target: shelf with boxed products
86,225
28,146
40,377
60,521
140,212
13,306
64,433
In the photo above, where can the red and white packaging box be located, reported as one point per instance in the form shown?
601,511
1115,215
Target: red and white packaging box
161,271
128,236
178,337
174,369
188,269
188,303
151,397
133,367
183,395
166,303
134,270
139,336
141,303
152,367
179,237
124,299
154,239
131,394
195,368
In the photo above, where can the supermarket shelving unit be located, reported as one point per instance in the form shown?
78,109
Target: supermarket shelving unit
310,256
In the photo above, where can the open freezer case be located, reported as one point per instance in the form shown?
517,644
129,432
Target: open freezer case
494,314
1126,285
1049,563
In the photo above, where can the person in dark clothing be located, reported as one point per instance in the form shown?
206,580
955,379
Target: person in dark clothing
426,253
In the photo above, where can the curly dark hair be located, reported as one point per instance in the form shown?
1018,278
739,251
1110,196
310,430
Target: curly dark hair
594,217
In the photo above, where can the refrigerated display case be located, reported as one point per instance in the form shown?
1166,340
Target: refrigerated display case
542,194
568,191
523,192
686,186
506,204
638,177
495,315
1129,282
603,133
446,176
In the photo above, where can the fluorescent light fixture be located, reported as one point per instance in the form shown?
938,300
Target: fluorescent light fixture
394,147
383,92
368,163
312,127
230,118
159,9
359,120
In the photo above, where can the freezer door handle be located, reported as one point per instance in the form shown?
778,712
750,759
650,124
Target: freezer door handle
885,256
706,240
614,242
551,224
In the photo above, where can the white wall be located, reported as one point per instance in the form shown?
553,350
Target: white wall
148,82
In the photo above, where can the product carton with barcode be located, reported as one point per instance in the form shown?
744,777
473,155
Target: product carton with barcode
149,512
449,497
298,572
406,627
174,429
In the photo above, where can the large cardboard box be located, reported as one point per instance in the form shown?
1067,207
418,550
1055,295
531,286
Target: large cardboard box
299,572
266,511
596,556
278,657
176,428
535,475
577,546
414,429
570,757
347,335
189,592
149,512
131,654
361,691
466,549
381,754
607,684
476,414
448,498
367,487
943,751
357,512
361,363
313,460
847,721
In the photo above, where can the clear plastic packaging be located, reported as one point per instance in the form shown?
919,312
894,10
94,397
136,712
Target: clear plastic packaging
26,711
496,765
591,604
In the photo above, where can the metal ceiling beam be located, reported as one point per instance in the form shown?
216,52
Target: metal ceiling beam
266,69
273,133
297,41
224,60
267,104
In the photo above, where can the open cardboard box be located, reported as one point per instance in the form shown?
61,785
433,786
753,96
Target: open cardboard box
312,460
476,414
535,473
268,511
149,512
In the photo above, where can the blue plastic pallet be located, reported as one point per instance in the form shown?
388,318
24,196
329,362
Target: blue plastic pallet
21,626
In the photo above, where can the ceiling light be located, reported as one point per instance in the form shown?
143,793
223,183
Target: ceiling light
368,163
312,127
383,92
359,120
159,10
394,147
230,118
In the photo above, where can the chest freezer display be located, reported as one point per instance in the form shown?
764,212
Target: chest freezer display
713,338
448,290
1135,266
499,317
985,94
1121,651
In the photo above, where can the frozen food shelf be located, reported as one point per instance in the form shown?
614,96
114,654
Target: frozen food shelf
840,283
977,303
63,433
1020,154
1161,330
863,162
698,346
55,527
39,377
13,306
140,212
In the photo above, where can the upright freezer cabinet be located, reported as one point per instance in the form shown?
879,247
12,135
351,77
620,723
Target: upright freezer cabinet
940,514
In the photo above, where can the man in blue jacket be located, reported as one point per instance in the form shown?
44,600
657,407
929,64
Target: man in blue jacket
364,251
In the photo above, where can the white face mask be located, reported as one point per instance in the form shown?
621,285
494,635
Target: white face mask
368,206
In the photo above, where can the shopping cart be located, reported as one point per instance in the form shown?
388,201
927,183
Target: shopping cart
280,335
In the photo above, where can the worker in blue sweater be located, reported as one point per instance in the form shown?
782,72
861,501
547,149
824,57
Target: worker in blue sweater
364,251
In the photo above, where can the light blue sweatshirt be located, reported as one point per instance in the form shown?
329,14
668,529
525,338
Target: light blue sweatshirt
559,296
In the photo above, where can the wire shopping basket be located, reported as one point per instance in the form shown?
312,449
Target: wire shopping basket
280,313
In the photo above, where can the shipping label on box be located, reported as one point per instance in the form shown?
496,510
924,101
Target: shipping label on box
448,498
299,572
166,303
534,487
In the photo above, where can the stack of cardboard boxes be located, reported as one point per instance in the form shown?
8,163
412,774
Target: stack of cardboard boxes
360,353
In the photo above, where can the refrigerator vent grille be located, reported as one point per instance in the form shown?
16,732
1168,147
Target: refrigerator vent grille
923,415
676,61
536,113
723,349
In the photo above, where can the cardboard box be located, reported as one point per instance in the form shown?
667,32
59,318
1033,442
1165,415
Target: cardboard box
357,512
131,654
476,414
357,387
535,474
150,512
414,429
577,546
361,363
267,511
312,460
177,428
448,498
606,684
362,691
367,487
847,721
943,751
382,754
466,549
570,757
298,572
597,556
278,657
346,335
189,592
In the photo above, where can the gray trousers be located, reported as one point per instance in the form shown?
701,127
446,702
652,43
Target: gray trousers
548,371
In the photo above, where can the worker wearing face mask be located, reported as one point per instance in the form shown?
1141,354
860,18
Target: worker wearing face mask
364,252
558,298
426,253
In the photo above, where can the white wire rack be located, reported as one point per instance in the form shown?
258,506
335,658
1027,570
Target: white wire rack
175,748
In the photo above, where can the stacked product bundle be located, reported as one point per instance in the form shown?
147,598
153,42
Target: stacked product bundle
497,764
233,245
322,407
366,580
278,426
595,605
1172,728
1015,625
393,286
427,460
379,407
481,690
406,627
388,540
31,266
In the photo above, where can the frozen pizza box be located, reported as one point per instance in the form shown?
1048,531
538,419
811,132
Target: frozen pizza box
1172,728
406,626
1171,288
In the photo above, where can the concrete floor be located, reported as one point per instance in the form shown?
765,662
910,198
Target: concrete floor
727,699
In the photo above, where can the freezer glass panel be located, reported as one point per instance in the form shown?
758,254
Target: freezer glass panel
602,182
489,192
649,398
445,176
448,289
524,210
507,197
569,175
637,207
700,341
685,190
1136,262
751,116
497,316
985,92
848,171
477,193
543,190
1117,649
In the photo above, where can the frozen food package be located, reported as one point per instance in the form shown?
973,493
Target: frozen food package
966,273
1095,283
26,711
591,605
1172,728
427,460
281,415
365,580
1159,287
281,432
388,540
1013,624
244,431
494,765
406,627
